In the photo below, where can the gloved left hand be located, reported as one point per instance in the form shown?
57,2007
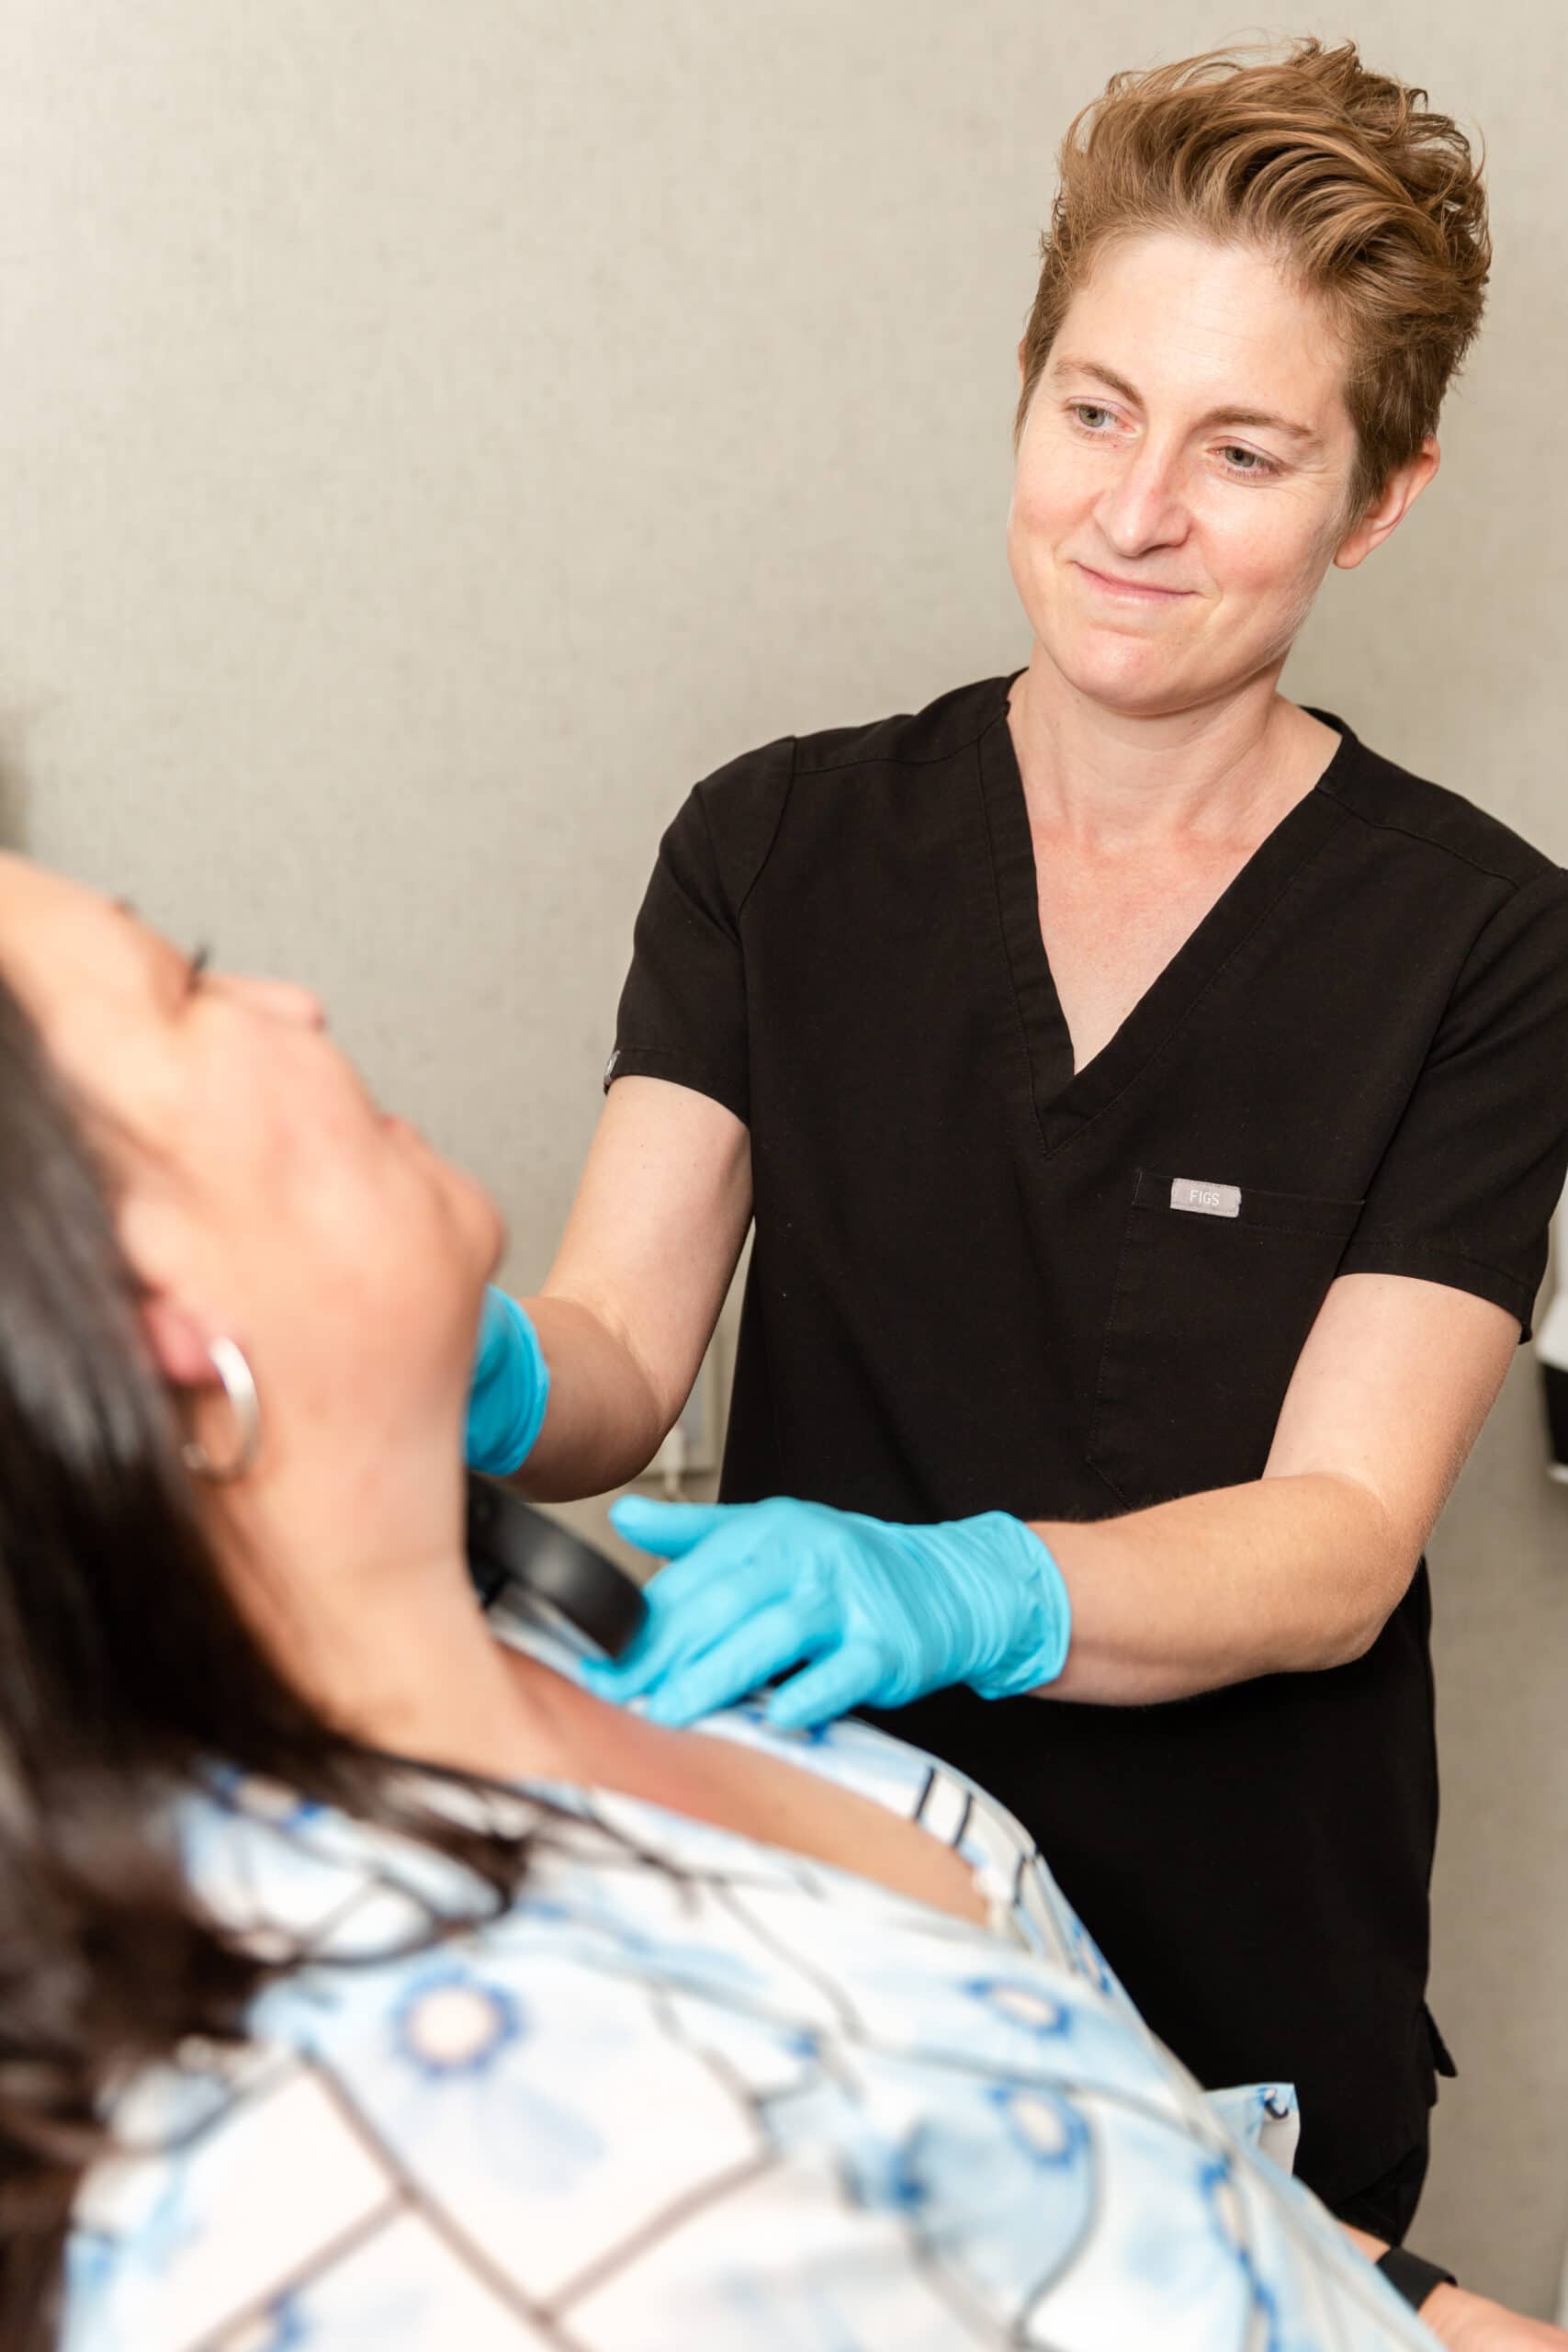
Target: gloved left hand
879,1613
508,1390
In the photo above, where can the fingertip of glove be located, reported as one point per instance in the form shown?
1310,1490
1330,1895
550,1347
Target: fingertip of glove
606,1679
645,1520
671,1713
784,1717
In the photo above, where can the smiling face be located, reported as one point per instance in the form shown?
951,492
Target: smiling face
261,1194
1184,476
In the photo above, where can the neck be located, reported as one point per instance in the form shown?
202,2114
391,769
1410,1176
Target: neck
1109,779
359,1585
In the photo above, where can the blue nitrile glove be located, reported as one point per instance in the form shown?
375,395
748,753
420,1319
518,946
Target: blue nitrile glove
509,1390
880,1613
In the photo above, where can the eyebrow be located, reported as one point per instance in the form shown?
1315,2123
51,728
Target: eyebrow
1268,419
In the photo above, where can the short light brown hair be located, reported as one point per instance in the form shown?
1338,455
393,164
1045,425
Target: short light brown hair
1348,177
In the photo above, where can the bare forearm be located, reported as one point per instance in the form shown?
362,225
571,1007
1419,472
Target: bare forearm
630,1303
604,1422
1468,2322
1281,1576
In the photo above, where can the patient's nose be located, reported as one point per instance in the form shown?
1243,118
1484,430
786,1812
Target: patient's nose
280,999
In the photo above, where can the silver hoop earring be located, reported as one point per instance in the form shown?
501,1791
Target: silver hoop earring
239,1388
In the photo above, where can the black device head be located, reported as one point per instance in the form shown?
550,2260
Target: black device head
511,1546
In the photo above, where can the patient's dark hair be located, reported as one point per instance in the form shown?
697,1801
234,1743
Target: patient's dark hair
126,1672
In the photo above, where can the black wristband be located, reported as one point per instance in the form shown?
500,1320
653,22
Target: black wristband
1411,2277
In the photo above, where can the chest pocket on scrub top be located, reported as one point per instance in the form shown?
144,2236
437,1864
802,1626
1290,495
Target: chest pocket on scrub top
1217,1287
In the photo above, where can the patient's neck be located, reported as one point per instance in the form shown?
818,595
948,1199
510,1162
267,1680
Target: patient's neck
356,1577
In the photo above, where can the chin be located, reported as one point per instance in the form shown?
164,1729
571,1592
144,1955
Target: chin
1127,673
472,1218
489,1228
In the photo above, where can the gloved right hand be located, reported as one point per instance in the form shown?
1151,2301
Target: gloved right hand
510,1388
875,1614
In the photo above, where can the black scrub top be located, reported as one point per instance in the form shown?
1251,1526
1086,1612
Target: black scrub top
980,1282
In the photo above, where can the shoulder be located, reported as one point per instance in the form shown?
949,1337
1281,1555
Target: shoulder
740,808
910,738
735,793
1389,802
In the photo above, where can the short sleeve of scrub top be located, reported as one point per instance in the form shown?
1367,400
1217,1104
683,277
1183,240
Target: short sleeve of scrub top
1458,1194
982,1279
683,1012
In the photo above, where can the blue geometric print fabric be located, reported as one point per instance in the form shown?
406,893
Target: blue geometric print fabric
691,2094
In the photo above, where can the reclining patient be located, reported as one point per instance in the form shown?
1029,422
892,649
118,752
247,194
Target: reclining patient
364,1981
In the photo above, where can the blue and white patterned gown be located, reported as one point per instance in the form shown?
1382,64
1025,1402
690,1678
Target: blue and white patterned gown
693,2094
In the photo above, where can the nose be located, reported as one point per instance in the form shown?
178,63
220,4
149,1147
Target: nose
1144,507
280,999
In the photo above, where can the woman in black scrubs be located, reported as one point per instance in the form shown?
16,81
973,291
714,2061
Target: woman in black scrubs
1150,1103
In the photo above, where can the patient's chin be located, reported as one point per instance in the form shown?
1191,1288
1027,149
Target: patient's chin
480,1218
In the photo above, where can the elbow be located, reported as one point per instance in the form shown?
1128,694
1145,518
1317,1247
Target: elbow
1382,1560
1355,1639
616,1410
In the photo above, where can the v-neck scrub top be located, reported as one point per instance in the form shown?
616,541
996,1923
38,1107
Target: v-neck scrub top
982,1282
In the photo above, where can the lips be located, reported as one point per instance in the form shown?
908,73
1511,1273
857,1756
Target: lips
1141,591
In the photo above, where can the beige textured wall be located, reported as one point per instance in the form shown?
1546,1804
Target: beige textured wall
433,433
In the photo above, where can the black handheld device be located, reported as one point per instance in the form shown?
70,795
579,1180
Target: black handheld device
512,1544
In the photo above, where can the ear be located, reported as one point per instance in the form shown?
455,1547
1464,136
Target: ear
1394,501
177,1343
156,1237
